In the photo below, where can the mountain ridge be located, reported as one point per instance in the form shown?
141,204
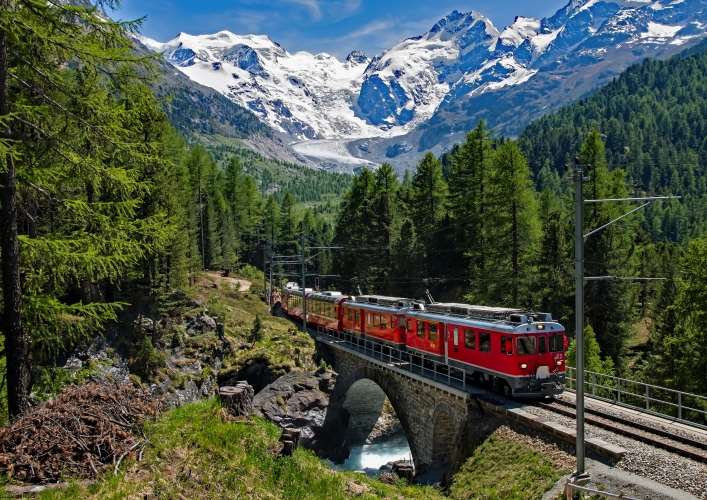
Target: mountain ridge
427,90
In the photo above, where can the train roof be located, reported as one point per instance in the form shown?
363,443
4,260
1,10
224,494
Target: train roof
517,320
330,297
474,310
382,300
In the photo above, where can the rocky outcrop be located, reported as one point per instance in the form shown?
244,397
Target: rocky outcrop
300,400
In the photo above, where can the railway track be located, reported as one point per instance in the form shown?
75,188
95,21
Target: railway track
680,445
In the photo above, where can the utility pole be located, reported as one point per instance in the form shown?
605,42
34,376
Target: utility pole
271,286
304,290
201,219
580,475
265,281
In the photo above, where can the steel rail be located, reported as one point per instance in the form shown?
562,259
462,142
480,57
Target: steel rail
608,422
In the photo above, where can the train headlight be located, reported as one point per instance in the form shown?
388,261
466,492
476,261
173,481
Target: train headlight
523,366
560,362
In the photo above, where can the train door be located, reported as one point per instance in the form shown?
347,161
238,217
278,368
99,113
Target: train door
445,339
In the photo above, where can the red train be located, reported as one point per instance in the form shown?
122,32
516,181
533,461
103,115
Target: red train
519,352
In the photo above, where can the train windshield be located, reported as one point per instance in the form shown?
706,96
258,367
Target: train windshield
525,345
557,343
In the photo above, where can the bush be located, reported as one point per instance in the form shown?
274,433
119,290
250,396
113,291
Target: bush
146,359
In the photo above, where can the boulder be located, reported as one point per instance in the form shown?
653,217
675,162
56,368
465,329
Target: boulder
208,323
300,400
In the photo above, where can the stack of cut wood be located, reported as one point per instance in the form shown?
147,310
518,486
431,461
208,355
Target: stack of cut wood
86,429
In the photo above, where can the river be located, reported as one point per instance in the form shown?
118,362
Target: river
370,458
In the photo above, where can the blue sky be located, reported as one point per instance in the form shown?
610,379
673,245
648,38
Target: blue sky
333,26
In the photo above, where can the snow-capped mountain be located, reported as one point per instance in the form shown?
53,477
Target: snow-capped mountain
462,67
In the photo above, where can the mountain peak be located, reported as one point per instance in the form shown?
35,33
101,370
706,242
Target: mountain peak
357,57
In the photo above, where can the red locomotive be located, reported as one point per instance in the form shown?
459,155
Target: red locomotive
519,352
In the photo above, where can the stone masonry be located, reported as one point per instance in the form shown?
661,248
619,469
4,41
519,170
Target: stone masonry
431,414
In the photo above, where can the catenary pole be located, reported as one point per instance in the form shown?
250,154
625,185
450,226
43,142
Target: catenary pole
579,311
271,300
265,270
304,290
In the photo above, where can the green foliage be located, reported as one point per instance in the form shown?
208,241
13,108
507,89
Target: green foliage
145,360
592,354
51,380
652,120
610,306
679,335
511,230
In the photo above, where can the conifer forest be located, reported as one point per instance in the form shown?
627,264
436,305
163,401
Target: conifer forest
109,202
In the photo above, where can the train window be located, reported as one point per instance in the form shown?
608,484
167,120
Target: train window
541,344
409,322
384,321
470,339
484,342
350,313
456,336
368,319
421,329
433,331
506,345
375,320
525,346
394,322
557,343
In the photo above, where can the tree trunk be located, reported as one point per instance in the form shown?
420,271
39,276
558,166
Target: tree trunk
16,342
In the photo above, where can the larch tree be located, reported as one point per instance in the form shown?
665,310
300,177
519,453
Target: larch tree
612,252
468,174
511,230
428,195
72,177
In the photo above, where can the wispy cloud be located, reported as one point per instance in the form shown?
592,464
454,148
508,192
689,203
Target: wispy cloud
377,35
312,5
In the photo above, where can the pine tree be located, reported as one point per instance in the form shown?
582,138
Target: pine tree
384,222
428,207
288,223
468,178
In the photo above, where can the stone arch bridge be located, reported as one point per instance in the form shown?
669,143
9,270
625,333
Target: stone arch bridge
432,414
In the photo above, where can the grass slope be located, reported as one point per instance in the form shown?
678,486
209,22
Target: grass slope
196,455
510,466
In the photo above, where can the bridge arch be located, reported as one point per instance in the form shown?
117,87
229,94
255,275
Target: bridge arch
431,416
362,393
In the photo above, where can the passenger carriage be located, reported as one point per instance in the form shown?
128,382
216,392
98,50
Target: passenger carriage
291,300
377,318
324,310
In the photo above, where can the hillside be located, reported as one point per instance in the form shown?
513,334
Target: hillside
653,120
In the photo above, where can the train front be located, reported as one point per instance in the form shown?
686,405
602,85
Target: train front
535,355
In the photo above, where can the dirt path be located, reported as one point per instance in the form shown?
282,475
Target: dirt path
242,284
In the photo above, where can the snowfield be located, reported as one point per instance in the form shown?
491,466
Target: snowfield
322,103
